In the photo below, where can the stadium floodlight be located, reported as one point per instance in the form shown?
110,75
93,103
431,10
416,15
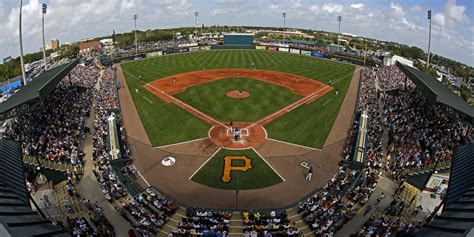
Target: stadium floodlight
21,47
44,8
135,18
429,40
339,19
284,25
196,15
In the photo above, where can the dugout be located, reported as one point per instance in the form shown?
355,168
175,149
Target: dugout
236,41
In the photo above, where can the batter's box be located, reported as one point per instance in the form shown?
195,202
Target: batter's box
244,132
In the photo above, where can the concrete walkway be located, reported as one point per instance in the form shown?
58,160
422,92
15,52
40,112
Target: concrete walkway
386,186
91,189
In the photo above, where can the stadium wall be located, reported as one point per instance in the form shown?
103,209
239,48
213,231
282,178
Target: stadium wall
238,39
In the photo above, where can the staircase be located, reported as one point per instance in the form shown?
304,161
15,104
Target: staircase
58,209
172,222
58,166
294,216
236,225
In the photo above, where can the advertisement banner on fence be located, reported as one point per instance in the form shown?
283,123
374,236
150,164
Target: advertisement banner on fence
261,47
295,51
205,47
194,49
272,48
182,50
283,49
305,52
188,45
154,54
318,55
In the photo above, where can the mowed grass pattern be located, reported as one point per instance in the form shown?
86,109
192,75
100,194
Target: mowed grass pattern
259,176
308,125
211,98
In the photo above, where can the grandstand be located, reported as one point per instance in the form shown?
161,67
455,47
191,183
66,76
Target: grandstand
189,137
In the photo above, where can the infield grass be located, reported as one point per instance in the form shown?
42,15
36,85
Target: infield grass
307,125
259,176
211,98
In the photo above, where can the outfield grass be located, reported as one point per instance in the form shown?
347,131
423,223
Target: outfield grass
211,98
259,176
308,125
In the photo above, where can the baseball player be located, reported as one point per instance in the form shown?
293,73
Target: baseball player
310,173
174,80
236,134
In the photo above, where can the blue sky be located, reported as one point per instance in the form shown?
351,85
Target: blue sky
400,21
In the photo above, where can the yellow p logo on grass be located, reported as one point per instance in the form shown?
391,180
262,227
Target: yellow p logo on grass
228,168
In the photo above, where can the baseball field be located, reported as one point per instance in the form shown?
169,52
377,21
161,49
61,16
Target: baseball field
307,124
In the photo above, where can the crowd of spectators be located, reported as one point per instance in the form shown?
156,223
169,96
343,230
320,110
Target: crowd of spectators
163,45
273,223
59,124
106,103
419,133
96,224
148,212
203,223
388,226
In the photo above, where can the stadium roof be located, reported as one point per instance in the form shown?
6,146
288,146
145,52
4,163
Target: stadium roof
457,218
16,216
38,88
437,92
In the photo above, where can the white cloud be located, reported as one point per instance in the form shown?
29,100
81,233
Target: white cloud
314,9
127,5
70,20
174,8
357,5
331,7
456,12
440,19
416,9
296,3
397,10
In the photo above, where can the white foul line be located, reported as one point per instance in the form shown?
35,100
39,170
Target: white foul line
327,102
274,170
303,99
141,175
147,99
200,167
293,144
173,98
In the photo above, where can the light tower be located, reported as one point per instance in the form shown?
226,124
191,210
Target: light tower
284,25
21,47
429,40
42,25
135,18
339,19
196,15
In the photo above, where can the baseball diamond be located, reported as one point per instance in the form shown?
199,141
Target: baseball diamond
218,130
184,109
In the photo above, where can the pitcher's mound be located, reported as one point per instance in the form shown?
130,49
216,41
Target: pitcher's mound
235,94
